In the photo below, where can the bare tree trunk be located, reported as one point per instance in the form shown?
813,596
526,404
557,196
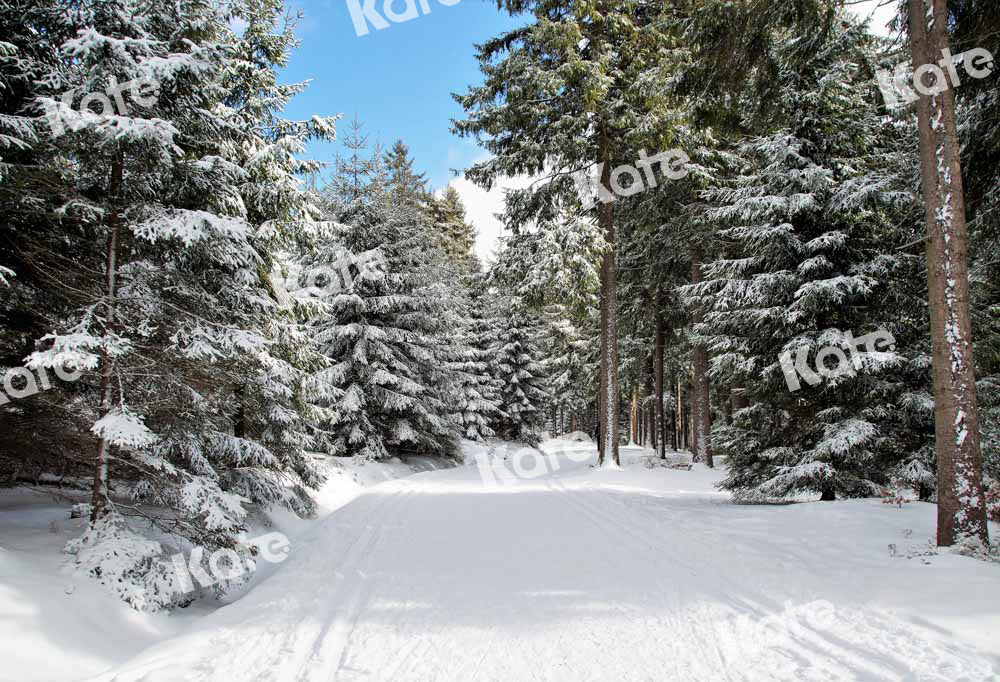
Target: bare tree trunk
100,500
961,500
701,398
658,381
634,417
693,419
610,394
681,421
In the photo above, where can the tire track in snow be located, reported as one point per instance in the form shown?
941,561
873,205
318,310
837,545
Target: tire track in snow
331,647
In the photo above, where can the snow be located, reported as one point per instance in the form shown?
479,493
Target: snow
643,573
58,625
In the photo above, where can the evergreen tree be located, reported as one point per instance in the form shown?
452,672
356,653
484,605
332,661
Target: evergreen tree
516,359
405,183
189,191
384,327
476,397
457,237
579,90
813,232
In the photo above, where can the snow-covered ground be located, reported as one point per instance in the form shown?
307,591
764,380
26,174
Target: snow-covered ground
586,574
56,625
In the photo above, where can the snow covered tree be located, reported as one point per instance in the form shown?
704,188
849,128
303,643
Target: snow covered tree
384,325
961,500
516,358
187,181
42,433
580,89
456,235
811,236
476,393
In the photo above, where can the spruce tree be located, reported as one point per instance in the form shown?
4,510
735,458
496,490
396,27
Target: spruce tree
811,228
189,190
384,326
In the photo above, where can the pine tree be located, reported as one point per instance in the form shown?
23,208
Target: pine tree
476,396
384,326
516,359
457,237
41,433
405,183
812,230
190,189
578,89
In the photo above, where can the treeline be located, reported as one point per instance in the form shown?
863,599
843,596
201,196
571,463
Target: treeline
724,304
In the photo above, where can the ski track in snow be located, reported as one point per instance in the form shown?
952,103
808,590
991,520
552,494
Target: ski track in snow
586,574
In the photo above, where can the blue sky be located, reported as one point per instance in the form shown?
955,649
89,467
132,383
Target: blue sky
398,79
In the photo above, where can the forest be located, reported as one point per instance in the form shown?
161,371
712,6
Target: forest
760,249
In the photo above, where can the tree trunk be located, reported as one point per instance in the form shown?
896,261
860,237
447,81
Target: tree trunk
100,500
961,500
701,398
609,413
658,381
634,417
679,417
673,431
693,417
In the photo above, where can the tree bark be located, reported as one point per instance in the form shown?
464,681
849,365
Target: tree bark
961,499
682,441
609,413
634,417
660,422
701,399
693,419
100,500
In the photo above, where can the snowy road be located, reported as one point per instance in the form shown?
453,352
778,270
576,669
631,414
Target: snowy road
597,575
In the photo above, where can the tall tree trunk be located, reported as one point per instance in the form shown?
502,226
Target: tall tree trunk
100,500
693,418
681,421
659,340
701,398
652,418
961,501
609,414
634,417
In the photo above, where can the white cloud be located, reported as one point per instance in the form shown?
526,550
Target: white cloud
482,207
881,13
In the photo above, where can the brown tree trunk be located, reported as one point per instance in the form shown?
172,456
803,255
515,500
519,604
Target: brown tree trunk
100,500
701,400
648,413
961,502
609,412
682,441
634,417
693,421
658,381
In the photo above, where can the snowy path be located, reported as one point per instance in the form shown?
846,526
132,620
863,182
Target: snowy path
596,575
